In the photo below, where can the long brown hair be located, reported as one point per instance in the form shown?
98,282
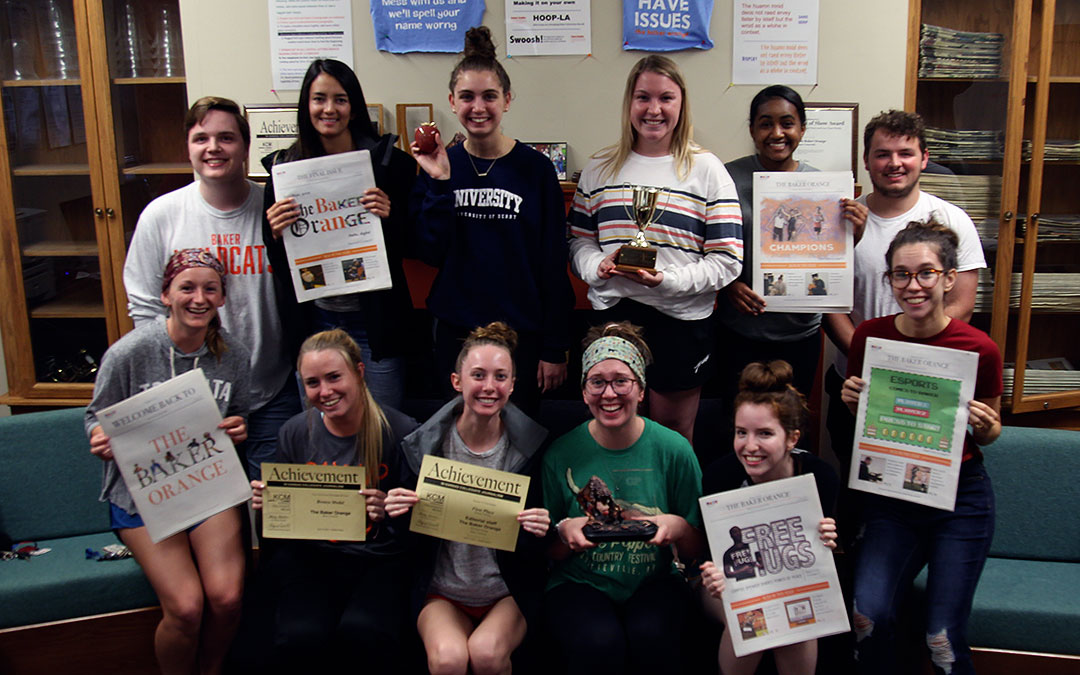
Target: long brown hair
373,422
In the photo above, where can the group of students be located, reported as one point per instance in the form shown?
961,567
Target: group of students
501,304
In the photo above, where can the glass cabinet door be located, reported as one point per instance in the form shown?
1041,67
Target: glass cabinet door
1045,289
144,121
59,302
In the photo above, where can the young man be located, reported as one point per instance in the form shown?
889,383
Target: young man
222,213
894,151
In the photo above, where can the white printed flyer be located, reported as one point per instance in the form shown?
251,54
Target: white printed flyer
179,467
336,246
804,252
781,585
912,421
548,27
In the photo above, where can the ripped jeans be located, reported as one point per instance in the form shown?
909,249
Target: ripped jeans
898,540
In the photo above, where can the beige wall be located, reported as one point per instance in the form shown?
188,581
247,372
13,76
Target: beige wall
564,98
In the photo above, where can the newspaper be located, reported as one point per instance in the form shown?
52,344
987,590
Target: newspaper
781,585
804,254
912,420
336,247
178,465
467,503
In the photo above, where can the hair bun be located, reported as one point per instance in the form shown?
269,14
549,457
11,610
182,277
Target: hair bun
478,42
772,377
498,332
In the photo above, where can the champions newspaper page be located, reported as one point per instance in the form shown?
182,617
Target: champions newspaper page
911,422
804,248
336,246
780,580
179,467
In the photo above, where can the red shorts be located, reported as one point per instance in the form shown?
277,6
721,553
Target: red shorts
474,612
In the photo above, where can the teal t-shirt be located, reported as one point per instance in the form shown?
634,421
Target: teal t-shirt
657,474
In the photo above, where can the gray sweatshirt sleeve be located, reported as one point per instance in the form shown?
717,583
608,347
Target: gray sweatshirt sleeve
143,269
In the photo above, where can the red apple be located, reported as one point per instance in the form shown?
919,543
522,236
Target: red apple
425,137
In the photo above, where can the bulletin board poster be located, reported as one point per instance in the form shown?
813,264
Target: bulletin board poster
302,31
774,41
403,26
548,27
666,25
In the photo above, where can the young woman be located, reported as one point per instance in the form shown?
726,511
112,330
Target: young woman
198,575
619,606
769,416
697,234
475,603
339,601
332,117
746,332
491,216
222,213
900,537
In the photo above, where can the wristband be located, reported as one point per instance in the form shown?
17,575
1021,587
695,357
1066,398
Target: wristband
558,531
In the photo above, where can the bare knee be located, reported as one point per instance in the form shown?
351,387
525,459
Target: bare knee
447,657
941,650
183,612
864,625
488,654
225,601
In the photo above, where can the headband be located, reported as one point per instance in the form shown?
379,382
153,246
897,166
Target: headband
186,258
613,347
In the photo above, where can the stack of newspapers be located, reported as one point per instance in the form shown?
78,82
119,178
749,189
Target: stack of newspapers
1054,150
1043,376
1050,292
961,144
980,196
944,52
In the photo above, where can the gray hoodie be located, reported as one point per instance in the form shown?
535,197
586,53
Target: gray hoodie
147,356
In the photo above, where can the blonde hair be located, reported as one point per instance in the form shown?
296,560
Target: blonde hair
373,423
683,148
495,333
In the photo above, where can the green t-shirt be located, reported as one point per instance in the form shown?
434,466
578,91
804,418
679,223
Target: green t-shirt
657,474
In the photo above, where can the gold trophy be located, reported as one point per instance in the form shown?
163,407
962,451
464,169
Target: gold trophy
638,254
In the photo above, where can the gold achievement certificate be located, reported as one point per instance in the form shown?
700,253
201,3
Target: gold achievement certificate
308,501
469,504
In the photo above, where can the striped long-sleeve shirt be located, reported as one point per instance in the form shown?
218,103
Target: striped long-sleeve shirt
698,233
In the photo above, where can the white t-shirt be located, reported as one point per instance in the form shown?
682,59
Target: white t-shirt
183,219
873,295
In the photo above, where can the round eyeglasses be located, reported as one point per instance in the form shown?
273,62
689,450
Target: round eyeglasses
620,385
926,278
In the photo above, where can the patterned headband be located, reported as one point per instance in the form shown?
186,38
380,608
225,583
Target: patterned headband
186,258
613,347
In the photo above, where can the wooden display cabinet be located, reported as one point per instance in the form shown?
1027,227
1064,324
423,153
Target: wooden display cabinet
1031,103
85,144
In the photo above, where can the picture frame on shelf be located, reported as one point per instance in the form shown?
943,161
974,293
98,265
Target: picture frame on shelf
410,116
273,127
555,151
831,141
375,114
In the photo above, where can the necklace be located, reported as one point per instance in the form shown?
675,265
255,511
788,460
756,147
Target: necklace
485,173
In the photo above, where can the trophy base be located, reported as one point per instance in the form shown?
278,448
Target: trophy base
624,530
634,258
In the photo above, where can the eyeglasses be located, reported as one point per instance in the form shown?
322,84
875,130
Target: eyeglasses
926,278
620,385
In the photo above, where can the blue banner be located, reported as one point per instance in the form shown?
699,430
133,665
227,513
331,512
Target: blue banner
403,26
667,25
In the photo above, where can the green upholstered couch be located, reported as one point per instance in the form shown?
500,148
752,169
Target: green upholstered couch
49,485
1028,597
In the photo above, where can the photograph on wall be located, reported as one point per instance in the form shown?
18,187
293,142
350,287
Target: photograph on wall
804,256
556,152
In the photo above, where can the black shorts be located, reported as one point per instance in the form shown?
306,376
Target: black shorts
681,349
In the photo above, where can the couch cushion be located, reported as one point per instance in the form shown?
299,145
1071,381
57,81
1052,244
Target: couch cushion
1028,605
1034,475
50,482
63,584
